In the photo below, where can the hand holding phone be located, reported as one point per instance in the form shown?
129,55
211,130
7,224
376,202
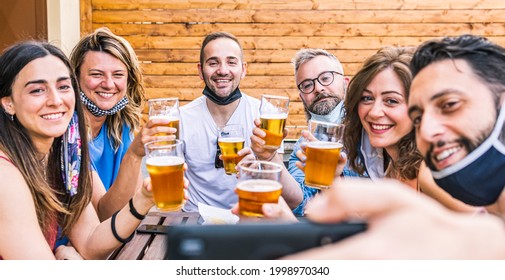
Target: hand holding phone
253,241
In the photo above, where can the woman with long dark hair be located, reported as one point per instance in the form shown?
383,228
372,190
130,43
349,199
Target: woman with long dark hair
46,179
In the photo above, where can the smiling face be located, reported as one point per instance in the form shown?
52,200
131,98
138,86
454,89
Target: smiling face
383,110
222,67
322,99
453,112
103,79
42,99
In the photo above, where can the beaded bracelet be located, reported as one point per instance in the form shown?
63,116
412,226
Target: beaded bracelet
134,211
114,232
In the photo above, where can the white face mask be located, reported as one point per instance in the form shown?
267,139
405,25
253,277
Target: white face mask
335,116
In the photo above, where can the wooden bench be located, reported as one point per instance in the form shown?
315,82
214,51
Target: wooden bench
153,246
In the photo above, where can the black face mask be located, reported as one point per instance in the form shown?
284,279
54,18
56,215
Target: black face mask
234,95
479,178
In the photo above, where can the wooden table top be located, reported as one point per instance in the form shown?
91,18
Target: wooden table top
153,246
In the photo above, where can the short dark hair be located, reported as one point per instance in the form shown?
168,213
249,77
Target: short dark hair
486,59
216,35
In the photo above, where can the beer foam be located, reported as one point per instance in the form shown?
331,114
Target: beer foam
259,185
164,117
232,140
274,116
164,161
325,145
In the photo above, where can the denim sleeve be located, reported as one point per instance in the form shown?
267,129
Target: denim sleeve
308,192
348,172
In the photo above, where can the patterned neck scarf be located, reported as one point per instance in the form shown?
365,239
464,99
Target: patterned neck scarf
97,112
71,156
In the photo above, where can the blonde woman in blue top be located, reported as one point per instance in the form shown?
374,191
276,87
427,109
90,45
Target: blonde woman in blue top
112,94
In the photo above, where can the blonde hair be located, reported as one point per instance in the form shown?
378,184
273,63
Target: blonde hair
103,40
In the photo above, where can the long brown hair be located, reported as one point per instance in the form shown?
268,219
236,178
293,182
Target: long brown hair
397,59
52,203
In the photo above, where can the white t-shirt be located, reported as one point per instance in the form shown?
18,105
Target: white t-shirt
207,184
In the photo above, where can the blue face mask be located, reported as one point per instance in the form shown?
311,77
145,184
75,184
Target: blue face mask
479,178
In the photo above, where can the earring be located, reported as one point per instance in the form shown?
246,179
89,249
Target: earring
11,116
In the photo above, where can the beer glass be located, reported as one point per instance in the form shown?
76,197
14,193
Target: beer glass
166,108
165,166
258,183
323,154
273,114
231,140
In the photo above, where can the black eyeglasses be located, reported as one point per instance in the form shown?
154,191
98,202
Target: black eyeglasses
217,162
325,79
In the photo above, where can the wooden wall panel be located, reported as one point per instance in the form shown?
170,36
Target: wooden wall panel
86,11
167,35
308,29
202,16
297,4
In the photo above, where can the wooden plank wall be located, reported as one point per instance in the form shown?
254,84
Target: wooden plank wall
167,34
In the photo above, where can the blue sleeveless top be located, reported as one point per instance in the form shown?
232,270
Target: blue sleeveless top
105,159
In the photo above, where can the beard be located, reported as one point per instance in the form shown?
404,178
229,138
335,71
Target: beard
324,107
467,144
219,92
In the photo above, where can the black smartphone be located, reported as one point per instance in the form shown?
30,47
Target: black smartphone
252,241
158,229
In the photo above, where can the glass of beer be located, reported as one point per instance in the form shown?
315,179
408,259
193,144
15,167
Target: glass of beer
258,183
166,108
323,154
273,114
165,166
231,139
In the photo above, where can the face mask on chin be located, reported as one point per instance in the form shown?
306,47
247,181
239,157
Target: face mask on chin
97,112
479,178
234,95
335,115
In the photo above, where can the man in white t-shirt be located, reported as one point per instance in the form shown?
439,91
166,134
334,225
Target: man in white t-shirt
221,67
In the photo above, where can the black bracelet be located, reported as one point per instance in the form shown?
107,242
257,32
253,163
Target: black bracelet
134,211
114,232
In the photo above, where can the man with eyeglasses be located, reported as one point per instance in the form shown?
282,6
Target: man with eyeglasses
322,85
